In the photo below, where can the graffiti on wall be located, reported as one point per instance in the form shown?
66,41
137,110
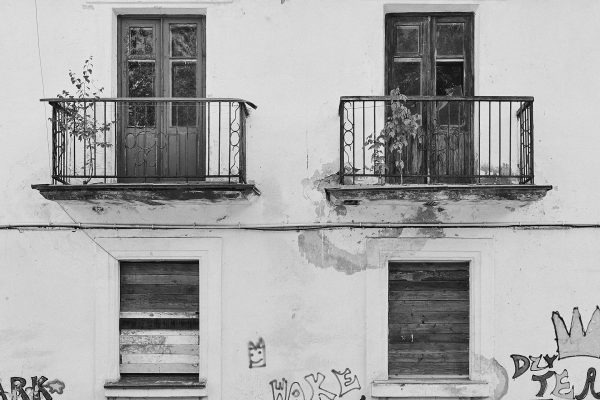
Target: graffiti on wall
257,354
317,389
573,342
577,342
40,388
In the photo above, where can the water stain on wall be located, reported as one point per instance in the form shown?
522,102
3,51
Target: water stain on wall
319,250
496,376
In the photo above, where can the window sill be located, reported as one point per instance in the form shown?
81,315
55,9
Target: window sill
358,194
445,388
156,387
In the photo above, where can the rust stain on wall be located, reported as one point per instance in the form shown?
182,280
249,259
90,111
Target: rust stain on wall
320,251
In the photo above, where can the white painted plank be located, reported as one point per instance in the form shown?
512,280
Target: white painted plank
159,368
139,339
159,349
159,358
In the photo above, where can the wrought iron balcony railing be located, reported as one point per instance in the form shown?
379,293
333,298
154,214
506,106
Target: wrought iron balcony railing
130,140
458,140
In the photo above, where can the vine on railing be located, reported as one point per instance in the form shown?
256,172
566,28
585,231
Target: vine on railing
80,120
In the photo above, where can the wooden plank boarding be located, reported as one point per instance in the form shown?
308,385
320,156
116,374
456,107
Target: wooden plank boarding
426,368
159,311
159,368
159,302
428,320
159,314
159,279
159,351
159,348
429,295
159,289
159,358
429,328
158,332
159,268
153,339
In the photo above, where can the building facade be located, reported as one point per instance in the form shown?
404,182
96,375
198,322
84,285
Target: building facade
299,199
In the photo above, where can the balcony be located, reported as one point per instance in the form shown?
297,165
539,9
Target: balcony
472,148
148,149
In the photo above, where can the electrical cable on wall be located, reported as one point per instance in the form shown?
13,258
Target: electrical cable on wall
37,32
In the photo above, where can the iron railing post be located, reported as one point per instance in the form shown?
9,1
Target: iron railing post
341,114
54,143
242,143
531,142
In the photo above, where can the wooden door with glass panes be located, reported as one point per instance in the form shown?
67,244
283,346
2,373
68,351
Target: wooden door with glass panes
432,55
161,140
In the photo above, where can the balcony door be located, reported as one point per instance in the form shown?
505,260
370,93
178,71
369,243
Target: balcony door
432,55
161,140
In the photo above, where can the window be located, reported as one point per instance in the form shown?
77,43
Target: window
428,319
161,57
159,319
432,55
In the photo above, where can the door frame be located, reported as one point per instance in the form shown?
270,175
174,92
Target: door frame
428,79
162,87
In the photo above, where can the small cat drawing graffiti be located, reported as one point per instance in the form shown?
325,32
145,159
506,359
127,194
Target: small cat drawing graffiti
257,354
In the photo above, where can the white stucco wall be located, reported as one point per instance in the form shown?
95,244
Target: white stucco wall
304,292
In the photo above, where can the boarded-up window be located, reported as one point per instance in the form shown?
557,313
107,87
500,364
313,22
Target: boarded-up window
428,318
159,318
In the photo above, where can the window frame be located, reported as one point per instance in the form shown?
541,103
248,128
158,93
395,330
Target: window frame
479,254
131,247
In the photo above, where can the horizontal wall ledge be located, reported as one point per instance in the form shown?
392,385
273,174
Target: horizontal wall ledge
358,194
426,388
150,393
156,386
150,193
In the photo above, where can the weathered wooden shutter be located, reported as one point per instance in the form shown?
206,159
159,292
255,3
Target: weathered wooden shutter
159,317
428,319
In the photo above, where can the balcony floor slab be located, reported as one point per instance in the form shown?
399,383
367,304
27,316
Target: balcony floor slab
149,193
360,194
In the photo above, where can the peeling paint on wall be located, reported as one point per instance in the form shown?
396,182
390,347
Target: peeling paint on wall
313,189
496,376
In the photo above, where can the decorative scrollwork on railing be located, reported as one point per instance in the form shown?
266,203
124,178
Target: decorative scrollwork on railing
459,140
348,137
147,139
234,138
